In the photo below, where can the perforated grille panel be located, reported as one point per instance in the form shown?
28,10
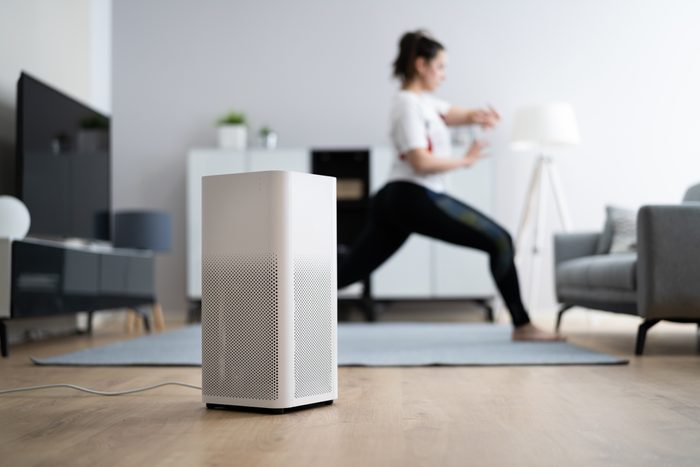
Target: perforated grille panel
313,327
240,327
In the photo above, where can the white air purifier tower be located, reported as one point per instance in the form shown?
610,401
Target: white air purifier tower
269,291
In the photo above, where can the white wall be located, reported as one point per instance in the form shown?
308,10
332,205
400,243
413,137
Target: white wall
318,72
100,44
66,43
49,39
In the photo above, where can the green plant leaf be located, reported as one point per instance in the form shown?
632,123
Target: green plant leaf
233,118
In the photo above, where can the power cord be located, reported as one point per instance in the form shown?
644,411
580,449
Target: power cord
99,393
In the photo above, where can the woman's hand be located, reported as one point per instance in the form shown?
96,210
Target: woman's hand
486,118
475,152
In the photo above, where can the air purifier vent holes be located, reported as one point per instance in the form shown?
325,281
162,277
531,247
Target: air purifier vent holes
313,327
240,316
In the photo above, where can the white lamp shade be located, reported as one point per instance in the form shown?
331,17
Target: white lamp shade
14,218
544,126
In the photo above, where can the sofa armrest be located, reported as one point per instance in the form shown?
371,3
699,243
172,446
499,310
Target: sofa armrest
668,268
574,245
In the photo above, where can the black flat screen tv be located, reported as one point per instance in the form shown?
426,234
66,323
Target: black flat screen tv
62,163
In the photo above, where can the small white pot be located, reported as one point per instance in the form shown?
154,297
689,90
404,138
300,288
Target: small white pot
269,141
233,136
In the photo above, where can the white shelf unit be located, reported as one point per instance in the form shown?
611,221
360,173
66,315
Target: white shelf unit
422,269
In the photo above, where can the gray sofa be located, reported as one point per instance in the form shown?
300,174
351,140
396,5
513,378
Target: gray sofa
660,281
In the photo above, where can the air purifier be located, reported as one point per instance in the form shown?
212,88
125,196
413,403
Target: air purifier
269,291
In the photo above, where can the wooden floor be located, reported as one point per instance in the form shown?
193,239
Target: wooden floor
645,413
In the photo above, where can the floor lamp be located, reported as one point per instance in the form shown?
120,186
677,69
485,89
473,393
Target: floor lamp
543,128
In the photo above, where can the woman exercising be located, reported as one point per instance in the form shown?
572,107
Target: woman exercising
414,199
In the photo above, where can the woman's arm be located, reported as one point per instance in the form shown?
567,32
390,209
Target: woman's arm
423,162
487,118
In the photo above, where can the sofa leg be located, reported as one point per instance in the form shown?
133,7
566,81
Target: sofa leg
642,334
561,313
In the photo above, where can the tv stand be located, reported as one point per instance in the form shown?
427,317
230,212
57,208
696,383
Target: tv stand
41,278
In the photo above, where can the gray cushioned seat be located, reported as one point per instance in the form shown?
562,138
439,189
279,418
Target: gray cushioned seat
615,271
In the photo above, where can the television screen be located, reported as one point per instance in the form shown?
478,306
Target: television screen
63,163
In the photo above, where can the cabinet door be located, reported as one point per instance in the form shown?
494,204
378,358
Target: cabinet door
460,272
140,278
36,279
295,160
81,272
113,273
203,162
407,274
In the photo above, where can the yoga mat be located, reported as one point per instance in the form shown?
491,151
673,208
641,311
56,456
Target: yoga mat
361,344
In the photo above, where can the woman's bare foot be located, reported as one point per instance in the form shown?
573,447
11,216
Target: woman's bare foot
529,332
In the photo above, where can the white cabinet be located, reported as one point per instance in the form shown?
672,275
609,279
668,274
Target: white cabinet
423,268
296,160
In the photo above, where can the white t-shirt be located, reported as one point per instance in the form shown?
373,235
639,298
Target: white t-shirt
417,122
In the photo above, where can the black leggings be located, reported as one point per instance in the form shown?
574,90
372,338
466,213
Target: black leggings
402,208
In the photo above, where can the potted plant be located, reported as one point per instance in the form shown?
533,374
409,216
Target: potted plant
233,131
268,137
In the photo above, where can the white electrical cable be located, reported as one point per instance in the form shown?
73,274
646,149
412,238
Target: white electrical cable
99,393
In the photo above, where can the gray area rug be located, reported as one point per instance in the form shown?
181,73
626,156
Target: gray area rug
361,344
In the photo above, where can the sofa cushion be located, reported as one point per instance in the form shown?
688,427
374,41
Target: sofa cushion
619,232
692,194
618,271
